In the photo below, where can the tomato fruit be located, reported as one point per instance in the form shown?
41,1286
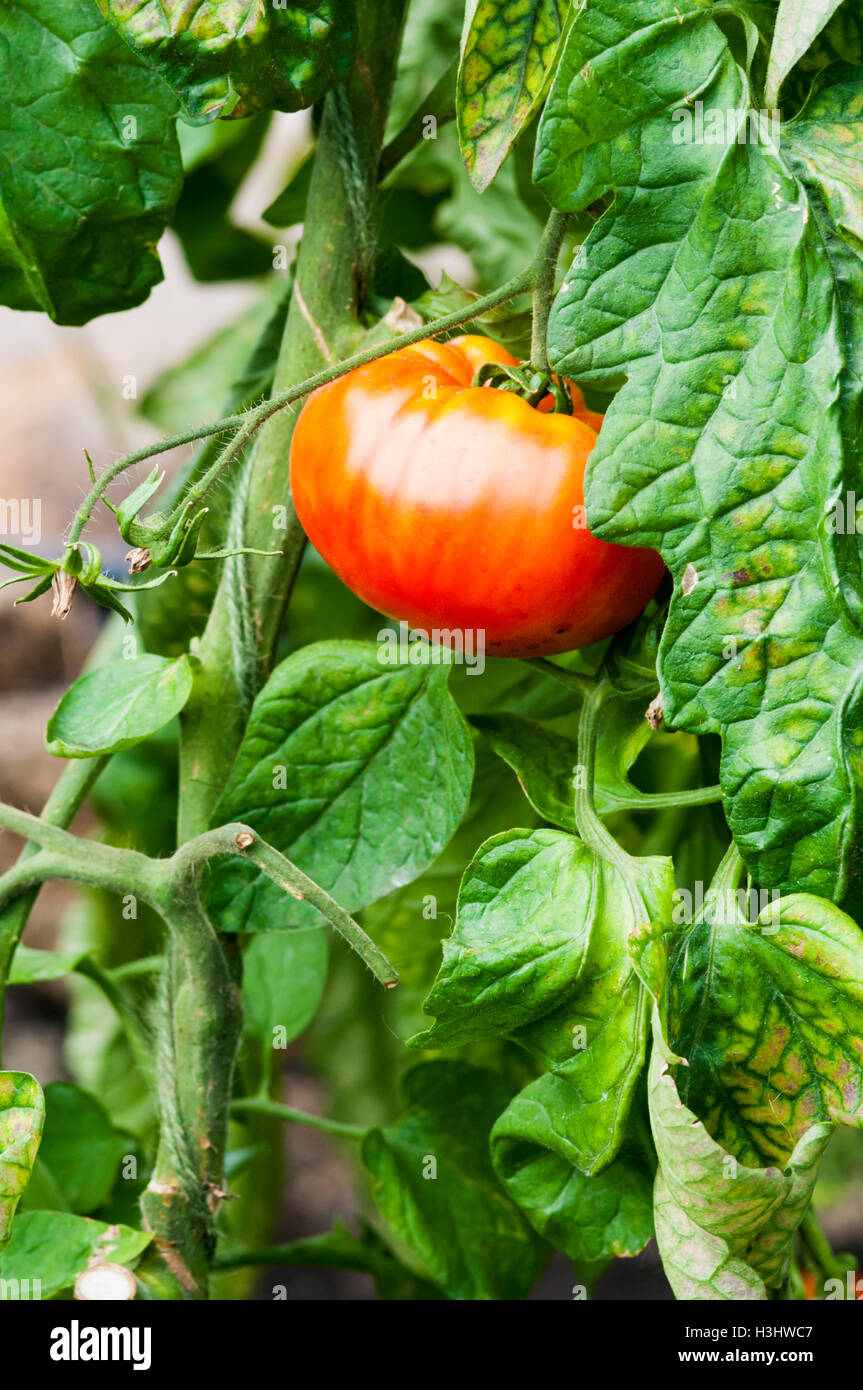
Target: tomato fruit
455,507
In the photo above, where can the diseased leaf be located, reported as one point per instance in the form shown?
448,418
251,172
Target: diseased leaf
89,164
50,1248
284,974
236,57
798,23
589,1218
118,705
826,149
724,1231
725,306
22,1116
432,1180
769,1016
508,50
358,771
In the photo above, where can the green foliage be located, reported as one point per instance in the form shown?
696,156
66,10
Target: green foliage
284,974
51,1248
227,59
118,705
328,773
433,1181
79,1155
733,435
90,170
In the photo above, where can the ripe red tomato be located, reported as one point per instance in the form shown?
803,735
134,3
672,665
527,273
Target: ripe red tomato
462,508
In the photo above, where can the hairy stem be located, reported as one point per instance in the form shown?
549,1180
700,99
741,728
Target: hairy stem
544,288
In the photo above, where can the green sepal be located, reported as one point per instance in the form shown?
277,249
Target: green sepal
37,591
23,561
131,505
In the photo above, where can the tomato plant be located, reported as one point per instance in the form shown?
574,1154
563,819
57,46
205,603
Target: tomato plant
518,813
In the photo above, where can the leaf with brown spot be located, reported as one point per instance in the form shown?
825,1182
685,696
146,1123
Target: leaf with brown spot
769,1016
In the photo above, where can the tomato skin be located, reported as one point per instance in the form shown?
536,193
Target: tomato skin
449,506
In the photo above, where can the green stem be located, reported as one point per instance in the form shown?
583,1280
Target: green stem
544,288
665,801
144,965
306,1253
67,797
819,1249
261,1105
163,446
590,828
439,104
241,840
581,685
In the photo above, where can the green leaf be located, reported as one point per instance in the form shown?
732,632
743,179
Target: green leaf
507,56
284,974
81,1149
593,1043
408,924
90,168
546,761
225,58
509,327
769,1016
724,1231
734,434
526,909
826,149
432,1180
118,705
22,1116
290,206
798,24
214,246
329,773
594,1218
30,966
50,1248
539,953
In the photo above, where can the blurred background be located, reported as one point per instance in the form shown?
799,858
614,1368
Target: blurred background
103,388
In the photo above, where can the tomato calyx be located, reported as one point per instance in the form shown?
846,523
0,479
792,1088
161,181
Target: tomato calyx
531,385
